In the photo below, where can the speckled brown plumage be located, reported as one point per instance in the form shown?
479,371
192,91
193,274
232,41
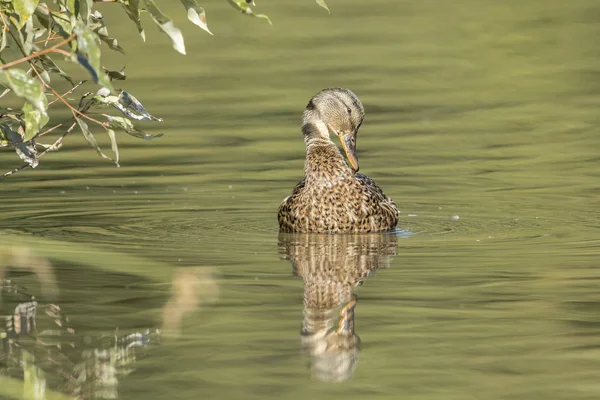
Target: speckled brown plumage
332,197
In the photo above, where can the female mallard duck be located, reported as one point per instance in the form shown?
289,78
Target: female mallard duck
332,197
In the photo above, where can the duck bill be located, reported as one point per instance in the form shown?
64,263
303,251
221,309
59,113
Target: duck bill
349,144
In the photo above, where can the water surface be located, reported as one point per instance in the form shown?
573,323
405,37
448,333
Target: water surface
167,278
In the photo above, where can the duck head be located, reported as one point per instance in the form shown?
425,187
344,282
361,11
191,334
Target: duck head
338,111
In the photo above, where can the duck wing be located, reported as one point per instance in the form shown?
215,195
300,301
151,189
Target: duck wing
285,214
377,202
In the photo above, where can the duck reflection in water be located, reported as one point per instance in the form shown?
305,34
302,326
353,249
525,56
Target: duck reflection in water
331,266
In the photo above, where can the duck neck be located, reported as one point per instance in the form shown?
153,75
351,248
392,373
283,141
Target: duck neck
323,158
316,134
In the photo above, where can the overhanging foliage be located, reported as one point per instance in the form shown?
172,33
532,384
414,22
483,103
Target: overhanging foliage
33,37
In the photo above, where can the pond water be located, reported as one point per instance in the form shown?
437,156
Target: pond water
167,278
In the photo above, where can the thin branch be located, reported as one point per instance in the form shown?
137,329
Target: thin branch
50,130
44,7
58,141
73,109
61,51
49,38
6,28
14,171
55,146
45,41
67,92
37,53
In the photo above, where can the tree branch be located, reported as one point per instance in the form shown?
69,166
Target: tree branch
73,109
55,146
67,92
37,53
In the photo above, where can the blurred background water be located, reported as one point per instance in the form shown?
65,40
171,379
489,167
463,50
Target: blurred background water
166,278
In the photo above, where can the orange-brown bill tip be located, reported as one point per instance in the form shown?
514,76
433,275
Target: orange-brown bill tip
349,144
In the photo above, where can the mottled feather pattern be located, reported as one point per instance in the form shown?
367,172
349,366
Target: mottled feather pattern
332,198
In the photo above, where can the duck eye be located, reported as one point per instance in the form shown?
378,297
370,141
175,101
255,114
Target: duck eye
348,110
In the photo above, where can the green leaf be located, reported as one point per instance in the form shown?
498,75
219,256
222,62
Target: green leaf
53,21
166,25
24,86
50,66
34,121
24,8
29,35
4,34
196,14
39,32
111,42
9,114
13,46
324,5
116,75
244,8
113,145
4,134
91,140
25,149
88,53
20,41
132,108
103,98
77,8
99,27
125,102
240,5
127,126
45,77
83,9
132,8
69,5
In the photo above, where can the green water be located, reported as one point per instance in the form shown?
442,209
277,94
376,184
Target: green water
484,110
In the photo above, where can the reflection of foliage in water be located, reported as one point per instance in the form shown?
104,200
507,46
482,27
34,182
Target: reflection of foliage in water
40,347
331,267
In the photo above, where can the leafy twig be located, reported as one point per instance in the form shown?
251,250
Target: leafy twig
51,36
51,129
37,53
61,51
48,39
67,92
73,109
53,147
